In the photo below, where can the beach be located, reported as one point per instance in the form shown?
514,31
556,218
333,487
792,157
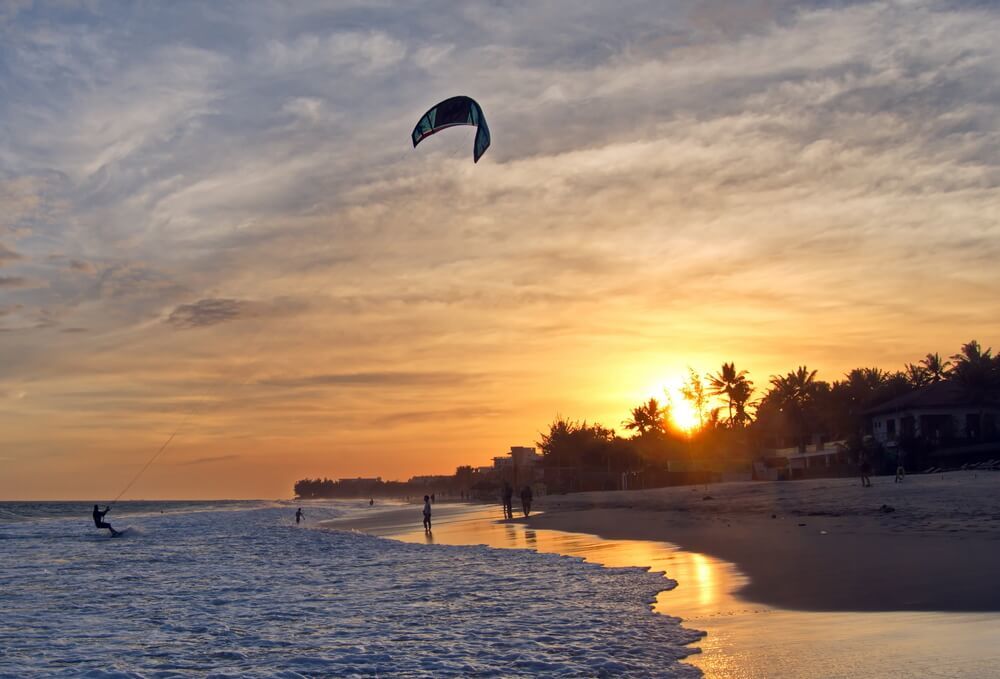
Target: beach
927,544
777,598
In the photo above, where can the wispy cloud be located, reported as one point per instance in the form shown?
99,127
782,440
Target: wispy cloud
206,312
372,379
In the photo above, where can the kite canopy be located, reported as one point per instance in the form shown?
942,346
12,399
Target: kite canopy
452,112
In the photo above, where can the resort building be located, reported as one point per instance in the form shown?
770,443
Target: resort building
940,413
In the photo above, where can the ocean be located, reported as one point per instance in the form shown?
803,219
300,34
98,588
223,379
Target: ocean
236,589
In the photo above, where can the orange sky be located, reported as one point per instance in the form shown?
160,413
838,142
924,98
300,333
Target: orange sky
225,232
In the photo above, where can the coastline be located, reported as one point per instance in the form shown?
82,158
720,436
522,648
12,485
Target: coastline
816,545
713,595
830,545
801,568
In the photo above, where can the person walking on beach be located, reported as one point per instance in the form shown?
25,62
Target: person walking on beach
866,470
427,513
900,470
371,501
101,523
526,497
508,501
299,516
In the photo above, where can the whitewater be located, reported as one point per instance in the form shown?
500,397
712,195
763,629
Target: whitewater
238,590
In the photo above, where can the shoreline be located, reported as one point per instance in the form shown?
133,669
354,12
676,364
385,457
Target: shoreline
800,568
713,595
829,546
931,543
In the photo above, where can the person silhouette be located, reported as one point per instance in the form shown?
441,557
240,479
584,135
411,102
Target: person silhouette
427,513
508,501
101,523
299,515
526,498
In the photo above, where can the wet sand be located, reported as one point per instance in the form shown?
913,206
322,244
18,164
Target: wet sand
821,545
744,638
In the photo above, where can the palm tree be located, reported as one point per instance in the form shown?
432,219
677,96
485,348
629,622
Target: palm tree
740,399
728,382
794,392
937,369
647,418
978,373
918,375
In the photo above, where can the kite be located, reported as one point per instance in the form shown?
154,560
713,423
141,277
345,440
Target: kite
452,112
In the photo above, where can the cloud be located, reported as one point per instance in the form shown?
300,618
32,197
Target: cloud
14,282
82,266
8,255
206,312
213,311
207,460
372,379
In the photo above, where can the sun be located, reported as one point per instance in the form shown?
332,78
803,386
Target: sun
683,414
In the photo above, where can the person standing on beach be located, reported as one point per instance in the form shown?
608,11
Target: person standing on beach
526,497
100,522
299,516
900,470
866,470
427,513
508,501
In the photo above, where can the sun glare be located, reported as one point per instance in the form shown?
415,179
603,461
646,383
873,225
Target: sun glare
682,414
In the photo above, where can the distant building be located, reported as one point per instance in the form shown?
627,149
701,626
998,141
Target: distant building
819,459
521,466
431,480
942,412
360,481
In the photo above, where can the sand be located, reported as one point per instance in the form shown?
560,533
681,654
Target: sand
830,545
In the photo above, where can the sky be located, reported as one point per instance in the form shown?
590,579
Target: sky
213,223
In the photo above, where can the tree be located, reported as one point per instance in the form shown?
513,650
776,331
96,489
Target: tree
918,375
650,417
739,397
793,393
977,372
730,384
936,368
693,392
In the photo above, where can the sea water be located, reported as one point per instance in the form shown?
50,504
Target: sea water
236,589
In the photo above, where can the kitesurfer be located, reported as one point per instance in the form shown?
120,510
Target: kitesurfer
101,523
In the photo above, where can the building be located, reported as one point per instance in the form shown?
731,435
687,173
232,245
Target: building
820,459
940,413
521,466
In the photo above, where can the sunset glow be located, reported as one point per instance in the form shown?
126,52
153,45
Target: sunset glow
226,234
682,414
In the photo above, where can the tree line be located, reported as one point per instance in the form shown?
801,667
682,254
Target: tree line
736,419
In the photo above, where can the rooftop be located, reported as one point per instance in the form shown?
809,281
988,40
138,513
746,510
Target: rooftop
944,394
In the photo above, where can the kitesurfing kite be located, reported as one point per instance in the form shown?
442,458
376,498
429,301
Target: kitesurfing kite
452,112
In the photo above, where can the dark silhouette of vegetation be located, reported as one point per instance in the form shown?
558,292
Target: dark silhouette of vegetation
797,409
